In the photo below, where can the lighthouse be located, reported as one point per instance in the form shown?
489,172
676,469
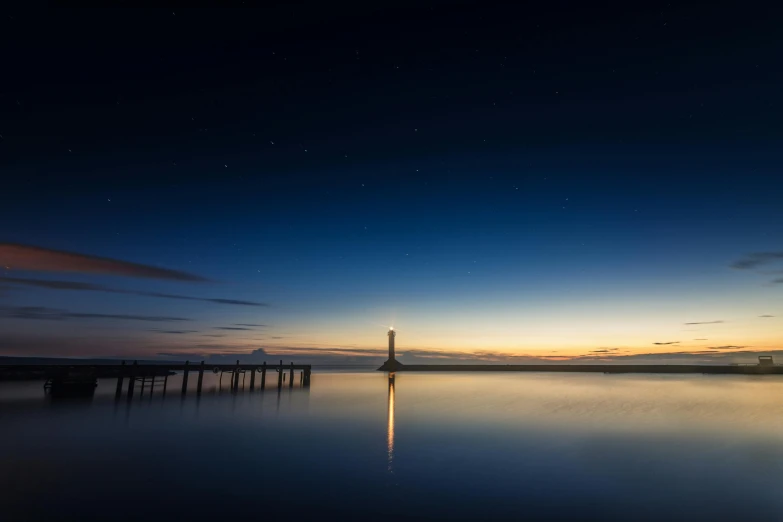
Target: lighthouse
391,363
391,334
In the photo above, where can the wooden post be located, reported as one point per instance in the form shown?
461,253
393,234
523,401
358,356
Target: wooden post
152,385
185,378
118,393
132,380
301,378
200,377
263,375
143,381
280,375
165,382
291,377
252,379
307,377
236,376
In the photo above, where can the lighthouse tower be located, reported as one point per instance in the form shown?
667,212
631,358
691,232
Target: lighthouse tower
391,363
392,334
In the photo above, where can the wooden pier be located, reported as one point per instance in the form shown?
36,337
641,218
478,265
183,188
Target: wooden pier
147,375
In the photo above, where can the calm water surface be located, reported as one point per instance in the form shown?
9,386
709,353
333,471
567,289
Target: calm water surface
445,446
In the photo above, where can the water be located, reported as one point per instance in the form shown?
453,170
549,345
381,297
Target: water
427,446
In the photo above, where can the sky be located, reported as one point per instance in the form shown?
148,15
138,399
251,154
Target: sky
498,182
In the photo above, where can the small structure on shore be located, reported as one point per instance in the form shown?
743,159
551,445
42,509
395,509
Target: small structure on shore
766,360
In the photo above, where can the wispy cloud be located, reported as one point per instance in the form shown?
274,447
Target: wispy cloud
766,316
210,300
250,324
701,339
174,331
706,322
14,256
231,328
777,281
41,312
727,347
757,259
670,342
89,287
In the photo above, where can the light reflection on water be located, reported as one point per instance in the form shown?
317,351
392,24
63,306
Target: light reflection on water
458,446
390,422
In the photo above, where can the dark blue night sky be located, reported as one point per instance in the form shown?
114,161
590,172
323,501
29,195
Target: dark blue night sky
549,181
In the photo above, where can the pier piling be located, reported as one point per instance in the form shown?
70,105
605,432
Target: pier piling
200,377
280,376
185,378
235,377
263,375
118,393
252,379
291,377
165,383
132,380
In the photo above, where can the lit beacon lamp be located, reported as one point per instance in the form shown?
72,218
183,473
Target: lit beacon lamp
391,363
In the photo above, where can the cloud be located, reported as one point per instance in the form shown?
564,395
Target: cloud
727,347
54,285
277,337
766,316
88,287
211,300
175,331
701,339
41,312
670,342
231,328
777,281
16,256
757,259
250,324
706,322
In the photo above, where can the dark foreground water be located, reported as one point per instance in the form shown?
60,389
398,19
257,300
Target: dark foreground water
430,446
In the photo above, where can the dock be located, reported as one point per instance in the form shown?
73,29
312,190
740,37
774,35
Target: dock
80,378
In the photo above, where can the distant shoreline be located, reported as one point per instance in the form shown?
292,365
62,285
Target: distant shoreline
591,368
